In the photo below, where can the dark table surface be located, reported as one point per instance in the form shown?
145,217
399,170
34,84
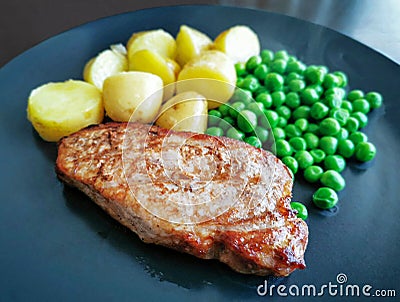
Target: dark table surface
24,23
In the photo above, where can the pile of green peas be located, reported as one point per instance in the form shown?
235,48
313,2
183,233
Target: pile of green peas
304,114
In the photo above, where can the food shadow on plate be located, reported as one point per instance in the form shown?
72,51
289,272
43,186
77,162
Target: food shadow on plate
48,149
162,263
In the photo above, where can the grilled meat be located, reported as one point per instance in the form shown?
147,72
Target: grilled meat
212,197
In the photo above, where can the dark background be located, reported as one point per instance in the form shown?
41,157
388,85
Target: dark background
24,23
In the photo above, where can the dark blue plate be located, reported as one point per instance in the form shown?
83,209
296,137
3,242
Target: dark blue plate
57,245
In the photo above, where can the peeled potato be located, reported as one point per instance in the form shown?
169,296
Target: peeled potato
105,64
190,43
156,40
186,111
239,43
211,74
133,93
59,109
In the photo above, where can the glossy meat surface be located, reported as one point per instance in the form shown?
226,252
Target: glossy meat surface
212,197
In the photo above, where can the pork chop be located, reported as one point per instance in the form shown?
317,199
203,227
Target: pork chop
212,197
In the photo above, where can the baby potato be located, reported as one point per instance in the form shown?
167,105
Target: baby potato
59,109
105,64
239,43
211,74
150,61
186,111
133,96
190,43
156,40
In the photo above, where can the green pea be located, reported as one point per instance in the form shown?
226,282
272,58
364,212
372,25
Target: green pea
242,95
284,112
291,163
214,116
235,134
226,123
239,82
347,106
318,155
247,121
274,81
278,65
295,66
302,124
292,131
282,54
292,100
361,117
331,80
335,162
358,137
250,83
240,69
333,101
365,151
256,107
314,75
300,209
261,133
329,126
342,78
278,98
352,124
301,112
272,118
313,173
264,98
339,92
325,198
224,109
309,96
298,143
236,108
266,56
318,88
253,62
346,148
311,140
313,128
328,144
304,158
361,105
215,131
296,85
282,122
333,179
319,110
293,76
283,148
342,134
374,99
261,71
355,94
341,115
254,141
278,133
259,90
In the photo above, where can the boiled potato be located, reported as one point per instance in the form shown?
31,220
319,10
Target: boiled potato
133,96
105,64
59,109
239,43
186,111
190,43
211,74
150,61
156,40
